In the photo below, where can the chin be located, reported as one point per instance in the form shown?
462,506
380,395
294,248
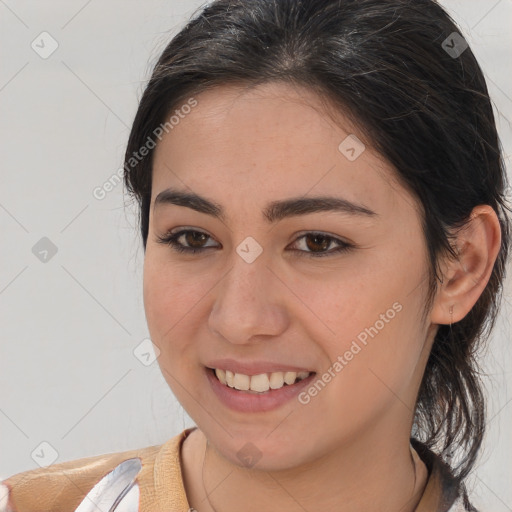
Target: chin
259,450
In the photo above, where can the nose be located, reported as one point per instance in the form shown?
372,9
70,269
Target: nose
249,303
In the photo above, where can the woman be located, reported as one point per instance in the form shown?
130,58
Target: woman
322,207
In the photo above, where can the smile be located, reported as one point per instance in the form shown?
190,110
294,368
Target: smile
260,383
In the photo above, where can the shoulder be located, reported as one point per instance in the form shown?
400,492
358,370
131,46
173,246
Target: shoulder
61,487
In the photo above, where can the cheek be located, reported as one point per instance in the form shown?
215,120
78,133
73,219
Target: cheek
379,360
374,319
162,293
172,298
169,308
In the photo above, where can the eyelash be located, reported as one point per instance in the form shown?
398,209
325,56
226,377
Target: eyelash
172,240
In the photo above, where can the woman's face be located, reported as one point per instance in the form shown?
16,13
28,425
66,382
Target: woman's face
269,290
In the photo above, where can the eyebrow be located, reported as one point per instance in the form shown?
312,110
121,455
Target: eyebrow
273,212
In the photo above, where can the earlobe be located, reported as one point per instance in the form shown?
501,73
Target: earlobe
465,278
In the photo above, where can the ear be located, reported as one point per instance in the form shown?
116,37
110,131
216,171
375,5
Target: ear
465,279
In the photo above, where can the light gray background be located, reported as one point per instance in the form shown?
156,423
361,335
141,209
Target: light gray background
68,375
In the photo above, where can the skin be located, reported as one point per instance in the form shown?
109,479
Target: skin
348,448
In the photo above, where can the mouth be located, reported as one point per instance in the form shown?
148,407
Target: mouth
261,383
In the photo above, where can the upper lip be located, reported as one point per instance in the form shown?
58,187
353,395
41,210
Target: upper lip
254,367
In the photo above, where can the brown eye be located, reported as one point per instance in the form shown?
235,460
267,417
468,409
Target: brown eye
194,239
317,243
186,240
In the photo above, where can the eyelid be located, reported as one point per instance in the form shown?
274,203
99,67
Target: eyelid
322,233
171,236
179,229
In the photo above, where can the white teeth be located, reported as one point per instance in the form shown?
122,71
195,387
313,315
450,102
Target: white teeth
221,375
241,382
276,380
260,383
289,377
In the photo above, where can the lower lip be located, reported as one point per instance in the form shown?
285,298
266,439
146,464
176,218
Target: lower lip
252,402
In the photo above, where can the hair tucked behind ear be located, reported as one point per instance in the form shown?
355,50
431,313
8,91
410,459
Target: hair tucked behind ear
426,111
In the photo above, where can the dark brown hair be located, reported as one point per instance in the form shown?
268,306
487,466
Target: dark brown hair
390,66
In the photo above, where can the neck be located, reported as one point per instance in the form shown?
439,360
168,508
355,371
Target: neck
351,479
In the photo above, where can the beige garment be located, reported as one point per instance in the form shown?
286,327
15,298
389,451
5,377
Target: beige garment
61,487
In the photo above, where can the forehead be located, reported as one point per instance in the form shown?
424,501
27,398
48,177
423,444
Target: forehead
272,141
